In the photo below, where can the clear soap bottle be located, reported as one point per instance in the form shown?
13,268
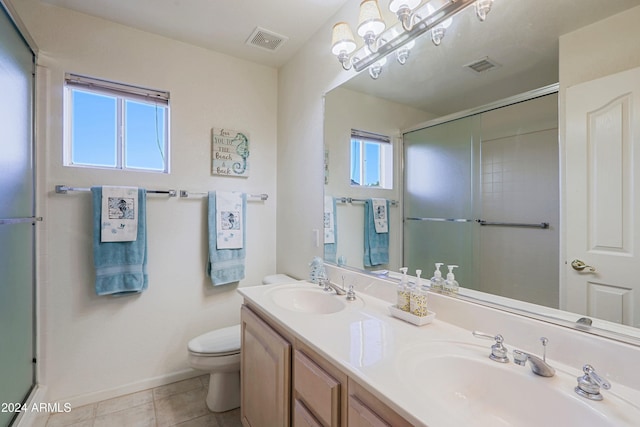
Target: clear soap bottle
437,282
451,285
419,297
403,293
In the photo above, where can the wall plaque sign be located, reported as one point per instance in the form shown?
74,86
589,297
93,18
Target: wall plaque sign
229,152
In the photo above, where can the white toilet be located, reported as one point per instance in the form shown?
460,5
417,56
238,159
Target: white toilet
218,352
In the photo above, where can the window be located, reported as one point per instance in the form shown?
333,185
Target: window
371,160
117,126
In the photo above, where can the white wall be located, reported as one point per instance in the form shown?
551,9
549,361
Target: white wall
302,83
103,346
346,109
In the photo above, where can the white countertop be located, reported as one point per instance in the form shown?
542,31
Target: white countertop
382,353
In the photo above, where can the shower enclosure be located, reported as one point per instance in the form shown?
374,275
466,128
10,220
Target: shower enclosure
17,210
482,192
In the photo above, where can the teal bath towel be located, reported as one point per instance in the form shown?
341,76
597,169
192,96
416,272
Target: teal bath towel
121,267
224,265
376,245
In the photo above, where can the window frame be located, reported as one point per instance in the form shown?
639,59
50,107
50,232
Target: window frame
122,93
385,164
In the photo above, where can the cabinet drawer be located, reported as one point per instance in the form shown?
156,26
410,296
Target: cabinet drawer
317,389
302,417
360,415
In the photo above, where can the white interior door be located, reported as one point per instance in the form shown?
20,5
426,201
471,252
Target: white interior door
603,198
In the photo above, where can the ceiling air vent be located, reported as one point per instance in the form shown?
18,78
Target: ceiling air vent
482,65
266,39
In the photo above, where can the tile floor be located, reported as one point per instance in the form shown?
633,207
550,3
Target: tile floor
178,404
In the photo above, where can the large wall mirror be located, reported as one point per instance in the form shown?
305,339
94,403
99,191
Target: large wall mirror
467,146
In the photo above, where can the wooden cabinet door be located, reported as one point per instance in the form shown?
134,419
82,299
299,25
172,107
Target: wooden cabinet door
265,374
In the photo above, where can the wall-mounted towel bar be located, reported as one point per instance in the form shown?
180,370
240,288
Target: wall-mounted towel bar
29,219
185,193
543,225
352,200
440,219
63,189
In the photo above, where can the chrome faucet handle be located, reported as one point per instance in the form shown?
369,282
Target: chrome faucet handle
351,295
589,384
498,350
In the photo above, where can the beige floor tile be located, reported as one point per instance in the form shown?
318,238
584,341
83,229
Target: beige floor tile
124,402
206,421
181,407
138,416
75,416
229,418
175,388
205,381
85,423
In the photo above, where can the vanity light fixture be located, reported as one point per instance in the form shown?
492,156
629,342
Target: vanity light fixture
376,68
370,23
402,54
414,19
437,32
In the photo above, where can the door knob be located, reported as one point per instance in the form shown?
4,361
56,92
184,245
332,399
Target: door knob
578,265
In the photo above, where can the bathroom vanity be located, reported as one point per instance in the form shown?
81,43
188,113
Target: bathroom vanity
312,358
286,382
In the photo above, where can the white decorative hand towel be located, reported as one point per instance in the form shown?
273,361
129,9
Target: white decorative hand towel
380,215
329,231
119,214
229,226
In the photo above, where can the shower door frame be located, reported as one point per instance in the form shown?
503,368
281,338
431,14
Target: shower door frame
32,218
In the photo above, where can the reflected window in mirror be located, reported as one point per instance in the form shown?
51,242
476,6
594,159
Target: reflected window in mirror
371,160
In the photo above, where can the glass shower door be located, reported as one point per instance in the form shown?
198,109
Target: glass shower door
16,217
439,198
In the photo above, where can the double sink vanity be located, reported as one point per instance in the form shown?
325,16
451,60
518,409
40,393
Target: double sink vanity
310,357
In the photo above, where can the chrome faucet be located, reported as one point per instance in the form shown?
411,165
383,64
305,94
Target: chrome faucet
328,287
589,384
538,366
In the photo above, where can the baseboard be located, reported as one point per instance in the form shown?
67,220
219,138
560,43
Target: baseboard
33,418
89,398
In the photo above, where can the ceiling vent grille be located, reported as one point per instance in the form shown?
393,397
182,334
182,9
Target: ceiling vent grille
265,39
482,65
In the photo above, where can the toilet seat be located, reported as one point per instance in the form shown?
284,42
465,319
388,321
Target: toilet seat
217,343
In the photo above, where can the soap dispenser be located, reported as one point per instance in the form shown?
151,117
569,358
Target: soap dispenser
403,294
419,297
437,282
451,285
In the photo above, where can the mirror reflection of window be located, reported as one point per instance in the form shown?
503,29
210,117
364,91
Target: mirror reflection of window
371,160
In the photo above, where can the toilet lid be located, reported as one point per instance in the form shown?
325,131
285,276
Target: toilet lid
220,341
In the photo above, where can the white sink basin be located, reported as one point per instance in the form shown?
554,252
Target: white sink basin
310,299
473,390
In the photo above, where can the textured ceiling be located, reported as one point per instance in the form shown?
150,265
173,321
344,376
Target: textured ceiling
520,35
222,26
